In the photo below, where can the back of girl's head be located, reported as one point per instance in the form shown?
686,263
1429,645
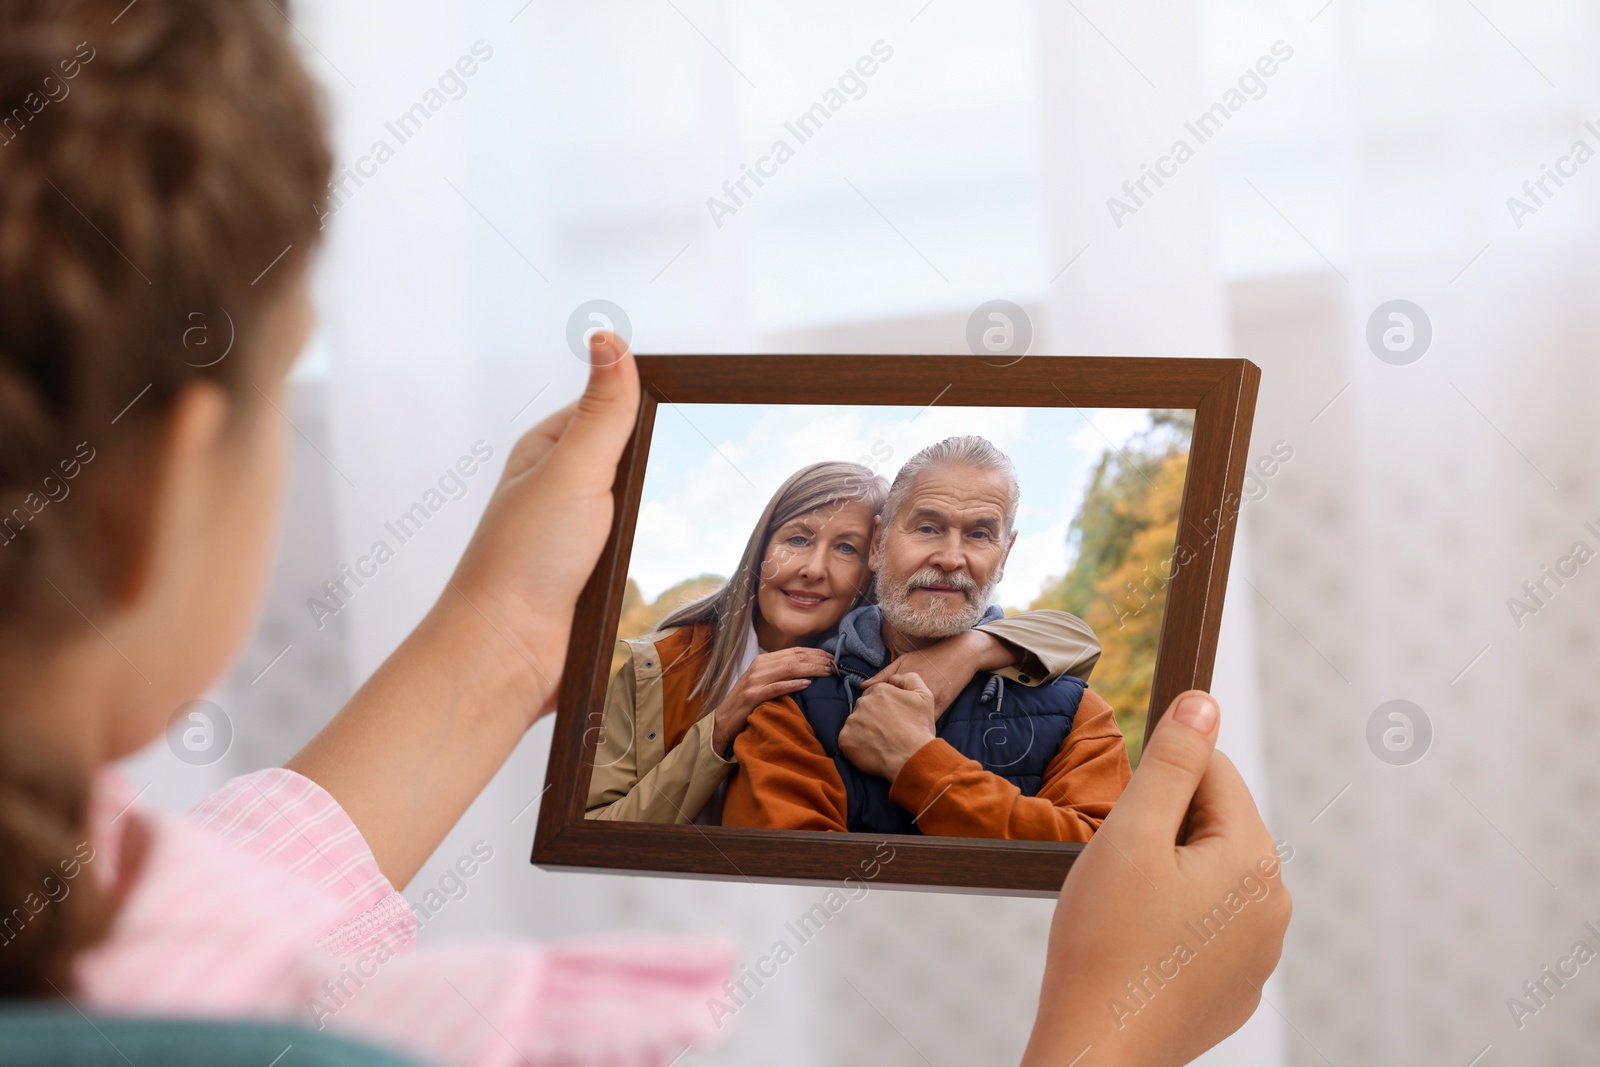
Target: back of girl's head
155,161
161,170
831,484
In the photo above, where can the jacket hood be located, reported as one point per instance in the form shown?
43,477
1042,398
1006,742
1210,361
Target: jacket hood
860,637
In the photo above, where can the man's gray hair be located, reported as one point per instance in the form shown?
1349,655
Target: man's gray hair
972,450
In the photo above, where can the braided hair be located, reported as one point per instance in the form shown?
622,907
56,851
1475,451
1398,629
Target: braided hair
162,169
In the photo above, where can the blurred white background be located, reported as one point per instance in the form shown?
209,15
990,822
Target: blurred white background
1375,163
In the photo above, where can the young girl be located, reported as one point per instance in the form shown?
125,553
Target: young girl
163,159
139,486
674,708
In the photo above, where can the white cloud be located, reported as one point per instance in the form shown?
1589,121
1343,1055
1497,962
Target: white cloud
1034,559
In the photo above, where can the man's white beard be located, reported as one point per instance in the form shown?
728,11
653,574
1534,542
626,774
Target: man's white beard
898,612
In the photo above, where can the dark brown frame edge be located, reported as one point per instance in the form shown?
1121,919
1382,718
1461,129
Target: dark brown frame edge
1222,393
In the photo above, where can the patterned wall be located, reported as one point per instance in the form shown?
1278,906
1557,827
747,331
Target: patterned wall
1417,503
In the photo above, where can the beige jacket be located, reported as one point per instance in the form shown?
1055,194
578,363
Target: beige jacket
654,760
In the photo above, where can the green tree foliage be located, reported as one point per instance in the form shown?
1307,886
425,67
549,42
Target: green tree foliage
1122,541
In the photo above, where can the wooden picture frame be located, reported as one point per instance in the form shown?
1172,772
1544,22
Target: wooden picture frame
1222,393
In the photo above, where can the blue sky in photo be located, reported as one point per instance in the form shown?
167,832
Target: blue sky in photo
712,468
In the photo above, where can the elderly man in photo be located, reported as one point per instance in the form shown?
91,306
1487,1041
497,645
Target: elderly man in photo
864,750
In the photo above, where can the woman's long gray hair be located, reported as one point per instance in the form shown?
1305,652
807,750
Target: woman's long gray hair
731,609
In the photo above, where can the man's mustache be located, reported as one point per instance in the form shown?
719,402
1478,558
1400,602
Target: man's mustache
930,576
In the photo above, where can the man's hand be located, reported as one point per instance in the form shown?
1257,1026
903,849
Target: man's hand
890,722
1184,841
947,666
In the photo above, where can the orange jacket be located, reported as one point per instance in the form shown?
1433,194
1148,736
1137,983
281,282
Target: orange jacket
786,781
654,759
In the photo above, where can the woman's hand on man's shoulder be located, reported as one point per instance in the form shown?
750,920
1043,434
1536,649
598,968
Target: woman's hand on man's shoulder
770,675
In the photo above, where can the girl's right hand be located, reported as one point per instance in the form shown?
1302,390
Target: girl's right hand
769,676
1172,917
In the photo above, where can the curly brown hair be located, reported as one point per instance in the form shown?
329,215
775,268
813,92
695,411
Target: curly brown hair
159,161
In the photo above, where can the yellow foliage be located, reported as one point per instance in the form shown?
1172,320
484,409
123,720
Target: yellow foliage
1120,589
640,616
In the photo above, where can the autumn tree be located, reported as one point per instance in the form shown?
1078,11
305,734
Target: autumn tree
640,616
1122,546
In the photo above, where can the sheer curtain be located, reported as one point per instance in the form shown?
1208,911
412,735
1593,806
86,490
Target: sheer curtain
1388,162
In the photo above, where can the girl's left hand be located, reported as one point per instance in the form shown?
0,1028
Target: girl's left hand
543,529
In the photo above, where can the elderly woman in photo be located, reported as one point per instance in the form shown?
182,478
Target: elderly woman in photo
675,707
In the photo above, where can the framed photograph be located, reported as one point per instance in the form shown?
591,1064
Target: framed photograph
898,619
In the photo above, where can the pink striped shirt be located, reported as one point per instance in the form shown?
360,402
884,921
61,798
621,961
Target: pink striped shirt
266,902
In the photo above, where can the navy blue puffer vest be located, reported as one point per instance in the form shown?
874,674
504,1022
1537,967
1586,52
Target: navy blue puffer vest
1014,730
